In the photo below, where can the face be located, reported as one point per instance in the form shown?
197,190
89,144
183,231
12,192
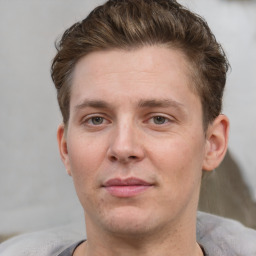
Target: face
135,144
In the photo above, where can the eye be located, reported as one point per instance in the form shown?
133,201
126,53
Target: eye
97,120
159,120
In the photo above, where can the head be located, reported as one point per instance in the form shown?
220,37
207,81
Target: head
132,24
139,85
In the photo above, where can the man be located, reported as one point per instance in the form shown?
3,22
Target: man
140,85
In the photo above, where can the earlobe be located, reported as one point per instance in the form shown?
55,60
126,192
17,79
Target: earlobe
216,144
63,149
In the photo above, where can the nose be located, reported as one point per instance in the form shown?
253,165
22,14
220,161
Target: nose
126,145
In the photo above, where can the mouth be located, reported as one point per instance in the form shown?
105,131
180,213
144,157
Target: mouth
126,187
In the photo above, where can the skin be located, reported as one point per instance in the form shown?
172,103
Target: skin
134,114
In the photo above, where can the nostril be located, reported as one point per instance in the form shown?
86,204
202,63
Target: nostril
122,159
113,158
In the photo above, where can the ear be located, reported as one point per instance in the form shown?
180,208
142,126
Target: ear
63,148
216,144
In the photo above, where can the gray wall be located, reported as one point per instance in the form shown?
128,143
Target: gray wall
35,191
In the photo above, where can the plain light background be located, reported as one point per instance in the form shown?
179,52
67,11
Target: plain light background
35,191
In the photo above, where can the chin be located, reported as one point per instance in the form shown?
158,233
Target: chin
130,221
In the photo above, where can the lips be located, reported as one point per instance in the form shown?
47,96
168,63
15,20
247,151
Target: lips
126,187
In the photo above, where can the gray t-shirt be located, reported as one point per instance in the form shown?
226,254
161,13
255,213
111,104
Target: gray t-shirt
70,250
218,236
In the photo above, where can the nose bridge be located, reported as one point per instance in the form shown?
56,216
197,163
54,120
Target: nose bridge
125,144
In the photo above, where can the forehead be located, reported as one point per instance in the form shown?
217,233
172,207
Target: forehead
154,57
125,78
154,64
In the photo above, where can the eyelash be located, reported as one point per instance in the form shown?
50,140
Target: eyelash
166,120
89,120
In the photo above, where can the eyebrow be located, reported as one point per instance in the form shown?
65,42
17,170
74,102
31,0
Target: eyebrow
149,103
163,103
93,104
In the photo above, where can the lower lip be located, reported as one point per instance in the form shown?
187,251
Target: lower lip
126,191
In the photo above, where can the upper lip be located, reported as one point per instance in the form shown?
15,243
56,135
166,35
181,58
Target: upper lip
132,181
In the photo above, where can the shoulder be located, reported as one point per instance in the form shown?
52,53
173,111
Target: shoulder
225,237
218,235
44,243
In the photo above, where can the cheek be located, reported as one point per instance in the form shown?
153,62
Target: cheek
83,155
179,168
85,161
179,160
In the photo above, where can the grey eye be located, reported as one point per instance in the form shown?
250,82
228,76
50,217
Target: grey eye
159,119
97,120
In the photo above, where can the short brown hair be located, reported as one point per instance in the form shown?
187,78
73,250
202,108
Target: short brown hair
126,24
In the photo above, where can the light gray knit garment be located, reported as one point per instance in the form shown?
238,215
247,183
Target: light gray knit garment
219,236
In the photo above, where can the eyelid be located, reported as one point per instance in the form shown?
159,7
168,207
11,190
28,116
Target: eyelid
168,117
87,118
169,120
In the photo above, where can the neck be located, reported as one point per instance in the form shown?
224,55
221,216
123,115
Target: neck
171,240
